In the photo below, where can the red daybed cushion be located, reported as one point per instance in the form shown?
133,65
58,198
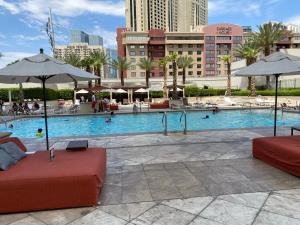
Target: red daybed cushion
163,105
73,179
280,152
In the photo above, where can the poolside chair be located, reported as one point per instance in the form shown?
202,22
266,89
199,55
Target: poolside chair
125,101
229,101
74,109
186,104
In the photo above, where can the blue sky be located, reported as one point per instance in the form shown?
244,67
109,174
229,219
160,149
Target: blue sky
22,21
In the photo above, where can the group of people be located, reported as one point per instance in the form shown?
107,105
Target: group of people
24,108
103,104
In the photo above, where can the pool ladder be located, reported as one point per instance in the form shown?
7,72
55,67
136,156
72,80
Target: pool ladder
164,121
183,115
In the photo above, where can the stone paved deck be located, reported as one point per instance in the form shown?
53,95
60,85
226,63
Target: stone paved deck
206,178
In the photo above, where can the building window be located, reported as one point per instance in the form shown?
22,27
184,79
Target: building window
170,74
190,52
226,52
142,74
171,52
199,52
142,52
218,65
133,74
210,59
198,59
180,73
297,37
198,46
198,66
132,53
210,38
133,67
142,46
133,60
190,73
190,46
179,46
171,46
223,38
191,66
237,38
170,67
142,59
210,45
199,73
132,46
179,52
212,52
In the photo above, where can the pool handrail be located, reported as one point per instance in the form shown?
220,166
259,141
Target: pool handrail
185,121
164,121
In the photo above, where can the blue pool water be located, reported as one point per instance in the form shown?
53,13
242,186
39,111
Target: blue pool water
148,122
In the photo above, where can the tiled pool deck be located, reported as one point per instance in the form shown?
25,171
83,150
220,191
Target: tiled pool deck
203,178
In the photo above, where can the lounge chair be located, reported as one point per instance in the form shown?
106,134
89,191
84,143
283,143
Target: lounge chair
229,101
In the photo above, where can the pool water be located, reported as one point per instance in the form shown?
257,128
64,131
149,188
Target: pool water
148,122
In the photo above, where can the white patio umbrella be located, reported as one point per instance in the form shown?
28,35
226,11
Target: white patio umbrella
110,91
142,90
178,89
276,64
82,91
120,91
43,69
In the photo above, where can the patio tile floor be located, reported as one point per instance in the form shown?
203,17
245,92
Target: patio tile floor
207,178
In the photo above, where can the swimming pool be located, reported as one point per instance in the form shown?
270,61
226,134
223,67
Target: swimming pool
148,122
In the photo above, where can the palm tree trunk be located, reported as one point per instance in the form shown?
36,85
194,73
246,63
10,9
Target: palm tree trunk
229,80
88,69
21,93
122,78
99,74
249,83
174,94
268,82
147,78
165,83
253,87
183,76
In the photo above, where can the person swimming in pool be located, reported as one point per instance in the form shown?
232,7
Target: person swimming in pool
108,120
206,117
39,133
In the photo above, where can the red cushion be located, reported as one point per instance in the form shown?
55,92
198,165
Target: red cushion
73,179
280,152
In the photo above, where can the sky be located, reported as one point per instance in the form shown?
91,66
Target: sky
22,22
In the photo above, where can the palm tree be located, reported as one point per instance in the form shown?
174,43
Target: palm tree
227,60
87,63
1,55
173,58
148,65
267,35
163,62
122,65
184,62
249,51
73,59
99,59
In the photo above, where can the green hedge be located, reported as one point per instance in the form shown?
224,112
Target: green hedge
156,94
283,92
36,93
193,91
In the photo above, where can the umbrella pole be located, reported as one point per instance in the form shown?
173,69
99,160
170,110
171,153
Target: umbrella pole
45,113
276,94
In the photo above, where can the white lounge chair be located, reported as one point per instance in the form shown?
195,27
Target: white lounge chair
229,101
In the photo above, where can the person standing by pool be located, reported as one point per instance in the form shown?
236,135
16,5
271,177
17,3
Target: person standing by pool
94,102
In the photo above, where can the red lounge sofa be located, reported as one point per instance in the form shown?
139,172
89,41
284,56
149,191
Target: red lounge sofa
73,179
280,152
163,105
113,107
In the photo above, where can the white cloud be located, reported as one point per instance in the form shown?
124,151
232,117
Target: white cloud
22,38
38,9
242,7
109,37
9,57
294,20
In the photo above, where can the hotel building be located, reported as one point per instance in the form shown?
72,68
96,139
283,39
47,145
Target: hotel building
206,45
167,15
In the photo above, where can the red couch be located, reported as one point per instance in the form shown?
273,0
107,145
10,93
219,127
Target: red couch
73,179
280,152
163,105
114,107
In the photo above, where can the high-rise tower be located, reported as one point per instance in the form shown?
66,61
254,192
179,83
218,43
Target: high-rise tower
168,15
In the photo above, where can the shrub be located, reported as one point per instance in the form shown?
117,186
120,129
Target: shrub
156,94
34,93
66,94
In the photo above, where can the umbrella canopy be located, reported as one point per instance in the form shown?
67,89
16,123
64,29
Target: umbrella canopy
82,91
178,89
120,91
108,90
42,68
142,90
276,64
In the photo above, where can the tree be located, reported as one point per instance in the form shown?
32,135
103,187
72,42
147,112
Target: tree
122,65
87,63
99,59
148,65
249,51
74,60
227,59
267,35
173,58
163,63
183,63
1,55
